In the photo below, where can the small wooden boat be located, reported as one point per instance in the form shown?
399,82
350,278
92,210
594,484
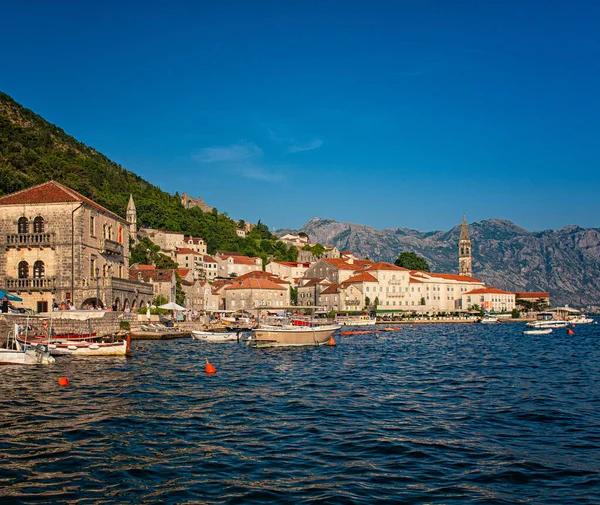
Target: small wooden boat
215,336
84,347
543,331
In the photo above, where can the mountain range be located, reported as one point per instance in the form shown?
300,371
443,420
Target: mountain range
565,262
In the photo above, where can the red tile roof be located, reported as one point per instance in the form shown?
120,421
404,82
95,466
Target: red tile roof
146,267
292,264
384,266
330,290
535,295
361,277
185,250
165,275
183,271
490,290
208,259
51,192
250,283
453,277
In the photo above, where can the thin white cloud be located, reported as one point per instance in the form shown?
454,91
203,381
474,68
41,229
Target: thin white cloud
244,159
298,148
227,154
260,173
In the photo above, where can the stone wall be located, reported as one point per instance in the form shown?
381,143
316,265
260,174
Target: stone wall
108,324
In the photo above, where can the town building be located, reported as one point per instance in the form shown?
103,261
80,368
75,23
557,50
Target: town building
489,299
59,245
336,270
251,293
290,271
163,281
233,264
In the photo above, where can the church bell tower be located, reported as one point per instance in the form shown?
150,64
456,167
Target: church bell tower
465,259
132,219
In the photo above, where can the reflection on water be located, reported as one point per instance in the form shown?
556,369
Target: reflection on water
435,414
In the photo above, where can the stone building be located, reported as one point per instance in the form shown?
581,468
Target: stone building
59,245
163,282
189,201
250,293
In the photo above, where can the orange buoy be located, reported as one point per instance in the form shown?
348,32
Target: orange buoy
570,331
209,368
331,341
63,381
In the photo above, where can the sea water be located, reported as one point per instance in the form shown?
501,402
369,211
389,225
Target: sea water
425,414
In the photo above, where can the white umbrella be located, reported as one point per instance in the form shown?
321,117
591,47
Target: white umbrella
171,306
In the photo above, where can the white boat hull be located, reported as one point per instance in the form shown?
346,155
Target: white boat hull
215,337
30,356
85,347
274,336
545,331
547,324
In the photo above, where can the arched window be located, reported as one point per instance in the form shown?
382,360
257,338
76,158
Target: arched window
38,225
104,231
39,272
23,270
23,225
462,250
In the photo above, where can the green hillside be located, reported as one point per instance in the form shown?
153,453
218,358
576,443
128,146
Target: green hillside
33,151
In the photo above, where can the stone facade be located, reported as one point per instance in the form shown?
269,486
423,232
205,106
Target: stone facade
58,245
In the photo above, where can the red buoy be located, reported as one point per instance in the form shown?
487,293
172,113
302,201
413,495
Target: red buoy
209,368
331,341
63,381
570,331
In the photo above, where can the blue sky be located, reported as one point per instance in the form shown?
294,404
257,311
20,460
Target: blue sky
387,113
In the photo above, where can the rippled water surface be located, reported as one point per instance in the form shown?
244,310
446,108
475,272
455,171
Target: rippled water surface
431,414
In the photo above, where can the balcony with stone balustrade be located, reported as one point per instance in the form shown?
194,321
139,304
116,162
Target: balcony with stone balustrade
30,240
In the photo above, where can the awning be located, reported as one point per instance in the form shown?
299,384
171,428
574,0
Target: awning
12,298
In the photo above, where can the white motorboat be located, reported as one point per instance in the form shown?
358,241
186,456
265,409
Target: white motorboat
582,319
215,336
543,331
547,320
489,320
283,336
17,353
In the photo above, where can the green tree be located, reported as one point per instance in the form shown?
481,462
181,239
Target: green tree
412,261
294,295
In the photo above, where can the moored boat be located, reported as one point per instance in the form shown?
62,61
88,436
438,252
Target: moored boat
289,335
358,320
17,353
542,331
215,336
58,347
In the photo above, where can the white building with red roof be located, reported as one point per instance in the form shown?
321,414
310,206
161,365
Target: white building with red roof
233,264
490,299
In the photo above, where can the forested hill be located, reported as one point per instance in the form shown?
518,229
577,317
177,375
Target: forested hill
33,151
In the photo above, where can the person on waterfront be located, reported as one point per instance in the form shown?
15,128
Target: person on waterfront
5,305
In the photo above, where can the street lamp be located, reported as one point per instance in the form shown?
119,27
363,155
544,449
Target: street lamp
97,287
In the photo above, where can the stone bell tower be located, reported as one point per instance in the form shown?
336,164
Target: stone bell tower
132,219
465,259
